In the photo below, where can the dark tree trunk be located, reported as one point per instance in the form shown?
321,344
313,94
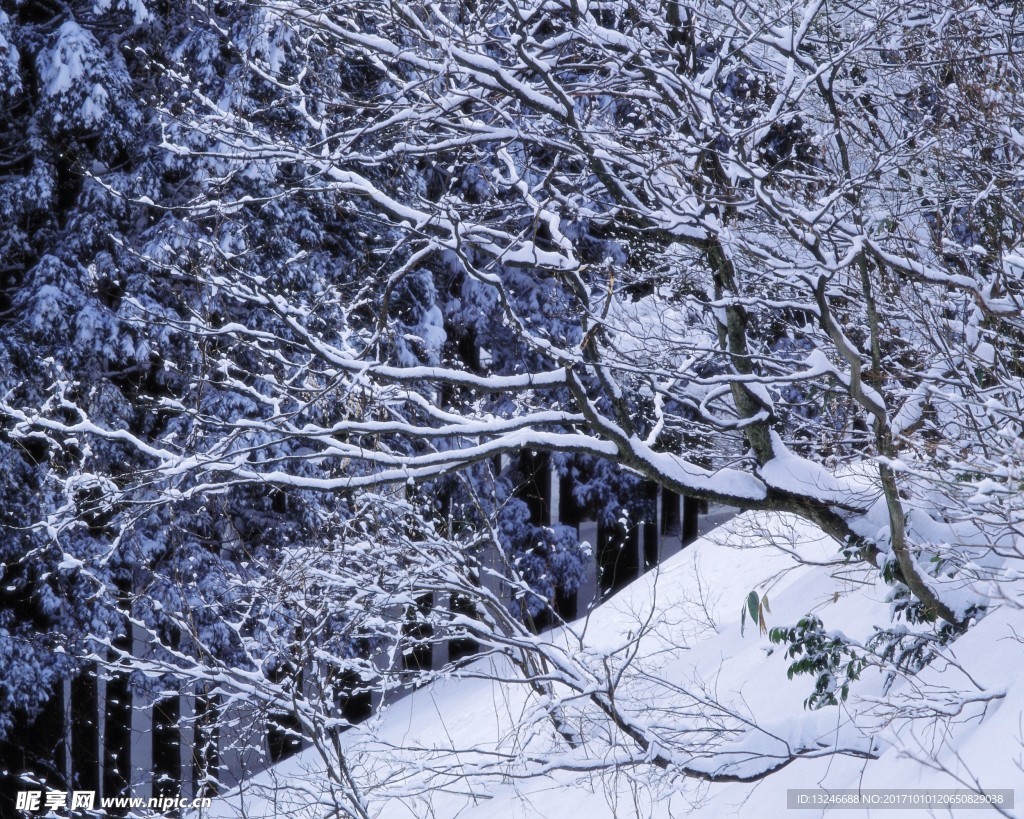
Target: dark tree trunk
617,557
535,488
117,735
167,747
691,519
85,738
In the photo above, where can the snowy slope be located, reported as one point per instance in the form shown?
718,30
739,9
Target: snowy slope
692,606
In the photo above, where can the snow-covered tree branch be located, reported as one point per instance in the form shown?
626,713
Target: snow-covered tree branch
766,255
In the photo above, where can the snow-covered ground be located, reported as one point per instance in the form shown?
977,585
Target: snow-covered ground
969,706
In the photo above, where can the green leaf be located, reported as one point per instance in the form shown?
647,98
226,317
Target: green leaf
752,603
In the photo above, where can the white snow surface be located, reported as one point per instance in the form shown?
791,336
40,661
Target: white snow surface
692,604
791,473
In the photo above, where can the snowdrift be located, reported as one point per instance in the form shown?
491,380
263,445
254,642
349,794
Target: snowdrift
478,743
